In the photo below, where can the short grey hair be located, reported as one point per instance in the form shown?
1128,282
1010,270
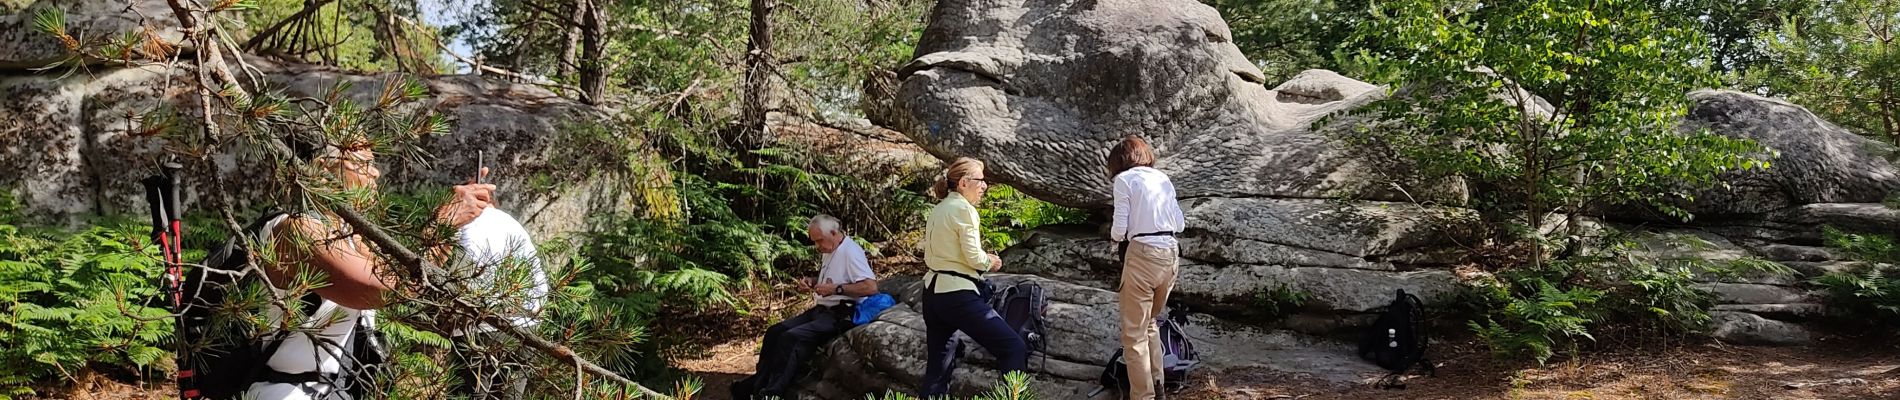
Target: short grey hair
827,224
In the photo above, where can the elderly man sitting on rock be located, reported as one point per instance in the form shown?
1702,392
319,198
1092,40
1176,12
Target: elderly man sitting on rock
844,279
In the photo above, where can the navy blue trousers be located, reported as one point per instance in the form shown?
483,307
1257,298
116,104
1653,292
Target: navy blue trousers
964,310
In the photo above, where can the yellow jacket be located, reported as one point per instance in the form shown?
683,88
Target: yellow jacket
952,242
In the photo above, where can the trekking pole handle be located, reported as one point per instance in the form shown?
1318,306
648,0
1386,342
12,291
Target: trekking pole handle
155,197
173,208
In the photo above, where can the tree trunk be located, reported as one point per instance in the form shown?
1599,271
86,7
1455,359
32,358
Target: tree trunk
758,74
593,45
1888,122
572,42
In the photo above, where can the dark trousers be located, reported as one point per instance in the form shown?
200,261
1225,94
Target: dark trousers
788,346
964,310
490,365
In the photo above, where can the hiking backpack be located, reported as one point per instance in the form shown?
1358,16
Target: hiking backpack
225,359
1178,360
1398,339
1022,307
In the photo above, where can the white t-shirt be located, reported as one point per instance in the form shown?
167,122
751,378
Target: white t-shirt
846,265
493,241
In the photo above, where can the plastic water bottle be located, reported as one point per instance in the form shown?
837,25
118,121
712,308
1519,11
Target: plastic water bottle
1392,337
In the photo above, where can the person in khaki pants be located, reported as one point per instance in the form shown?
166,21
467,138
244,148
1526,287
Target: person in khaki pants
1145,221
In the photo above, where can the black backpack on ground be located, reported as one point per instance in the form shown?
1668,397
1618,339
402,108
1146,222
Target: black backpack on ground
1398,339
225,359
1023,307
1177,352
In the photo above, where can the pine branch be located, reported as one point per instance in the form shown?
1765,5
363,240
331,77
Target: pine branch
417,266
209,58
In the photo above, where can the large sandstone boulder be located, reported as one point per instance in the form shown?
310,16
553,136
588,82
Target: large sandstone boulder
1042,90
1819,162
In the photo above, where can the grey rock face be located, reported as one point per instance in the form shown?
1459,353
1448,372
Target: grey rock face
1745,328
1820,162
1348,256
889,354
1041,91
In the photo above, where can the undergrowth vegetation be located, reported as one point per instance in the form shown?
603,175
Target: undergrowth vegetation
1867,293
1629,290
77,300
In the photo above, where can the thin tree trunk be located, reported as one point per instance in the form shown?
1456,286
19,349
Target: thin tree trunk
593,45
758,74
573,41
1888,120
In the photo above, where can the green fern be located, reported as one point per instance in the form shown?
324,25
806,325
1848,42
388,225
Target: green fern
1870,292
71,299
1008,216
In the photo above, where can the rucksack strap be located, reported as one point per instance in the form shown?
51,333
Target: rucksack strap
1422,339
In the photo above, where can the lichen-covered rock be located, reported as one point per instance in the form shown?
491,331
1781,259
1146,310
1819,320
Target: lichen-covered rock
1042,90
1819,162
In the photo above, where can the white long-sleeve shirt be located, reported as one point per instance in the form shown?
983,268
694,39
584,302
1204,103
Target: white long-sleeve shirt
1144,203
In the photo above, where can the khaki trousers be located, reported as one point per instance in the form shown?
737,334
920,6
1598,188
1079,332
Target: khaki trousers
1147,277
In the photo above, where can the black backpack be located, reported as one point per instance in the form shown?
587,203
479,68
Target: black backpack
225,359
1022,307
1177,351
1398,339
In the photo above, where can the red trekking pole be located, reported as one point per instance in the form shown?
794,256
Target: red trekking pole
161,192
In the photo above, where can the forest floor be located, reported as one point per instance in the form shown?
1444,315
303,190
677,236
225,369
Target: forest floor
1830,368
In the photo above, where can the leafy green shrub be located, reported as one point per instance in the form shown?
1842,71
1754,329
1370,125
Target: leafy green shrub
1612,73
1280,301
71,301
1008,216
1869,292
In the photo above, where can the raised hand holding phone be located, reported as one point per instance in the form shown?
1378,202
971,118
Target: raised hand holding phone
467,201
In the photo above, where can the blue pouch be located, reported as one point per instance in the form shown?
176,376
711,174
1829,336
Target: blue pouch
871,306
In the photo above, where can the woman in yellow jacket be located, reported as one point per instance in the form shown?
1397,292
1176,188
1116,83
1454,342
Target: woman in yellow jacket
955,297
